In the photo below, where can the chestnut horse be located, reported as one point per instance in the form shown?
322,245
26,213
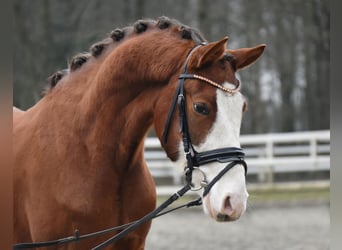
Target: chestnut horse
79,152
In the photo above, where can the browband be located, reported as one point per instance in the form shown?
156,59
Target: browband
215,84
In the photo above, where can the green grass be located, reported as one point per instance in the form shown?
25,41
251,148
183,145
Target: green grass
273,195
282,194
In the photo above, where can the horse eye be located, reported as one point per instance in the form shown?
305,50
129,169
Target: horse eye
201,108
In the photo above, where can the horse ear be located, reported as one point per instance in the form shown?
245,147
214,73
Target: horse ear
208,53
244,57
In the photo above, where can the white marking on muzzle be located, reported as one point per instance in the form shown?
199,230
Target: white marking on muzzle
228,196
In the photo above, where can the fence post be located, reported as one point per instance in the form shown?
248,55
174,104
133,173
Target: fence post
313,151
269,157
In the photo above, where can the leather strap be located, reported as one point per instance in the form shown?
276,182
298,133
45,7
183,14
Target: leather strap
180,88
225,170
169,116
220,155
144,219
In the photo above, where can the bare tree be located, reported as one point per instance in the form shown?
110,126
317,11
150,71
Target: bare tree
288,89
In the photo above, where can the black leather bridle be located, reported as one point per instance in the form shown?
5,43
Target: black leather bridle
195,159
231,155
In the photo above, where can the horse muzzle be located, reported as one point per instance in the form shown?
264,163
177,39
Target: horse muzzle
227,200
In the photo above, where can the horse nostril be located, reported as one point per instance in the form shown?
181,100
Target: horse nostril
228,209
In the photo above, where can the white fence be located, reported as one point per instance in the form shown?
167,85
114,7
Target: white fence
266,154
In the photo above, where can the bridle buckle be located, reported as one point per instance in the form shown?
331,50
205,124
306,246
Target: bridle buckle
203,183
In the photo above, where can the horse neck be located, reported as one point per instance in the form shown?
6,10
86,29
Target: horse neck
119,105
118,127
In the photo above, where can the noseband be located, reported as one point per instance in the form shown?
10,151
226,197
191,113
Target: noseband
196,159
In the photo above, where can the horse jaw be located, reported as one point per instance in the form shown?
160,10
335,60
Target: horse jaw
227,200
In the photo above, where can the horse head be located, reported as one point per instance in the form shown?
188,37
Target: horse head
213,111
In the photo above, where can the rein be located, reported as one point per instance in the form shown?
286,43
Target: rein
194,159
127,227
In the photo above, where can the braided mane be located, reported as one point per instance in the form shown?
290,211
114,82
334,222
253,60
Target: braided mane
116,37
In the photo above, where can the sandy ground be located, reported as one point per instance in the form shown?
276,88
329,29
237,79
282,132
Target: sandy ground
272,227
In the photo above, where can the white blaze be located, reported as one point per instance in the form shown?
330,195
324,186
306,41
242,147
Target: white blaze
225,132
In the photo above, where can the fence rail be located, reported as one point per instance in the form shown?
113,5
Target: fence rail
266,154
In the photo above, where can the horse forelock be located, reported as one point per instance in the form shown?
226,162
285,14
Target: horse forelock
119,35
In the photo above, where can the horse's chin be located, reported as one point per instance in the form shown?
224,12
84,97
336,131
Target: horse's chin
224,218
